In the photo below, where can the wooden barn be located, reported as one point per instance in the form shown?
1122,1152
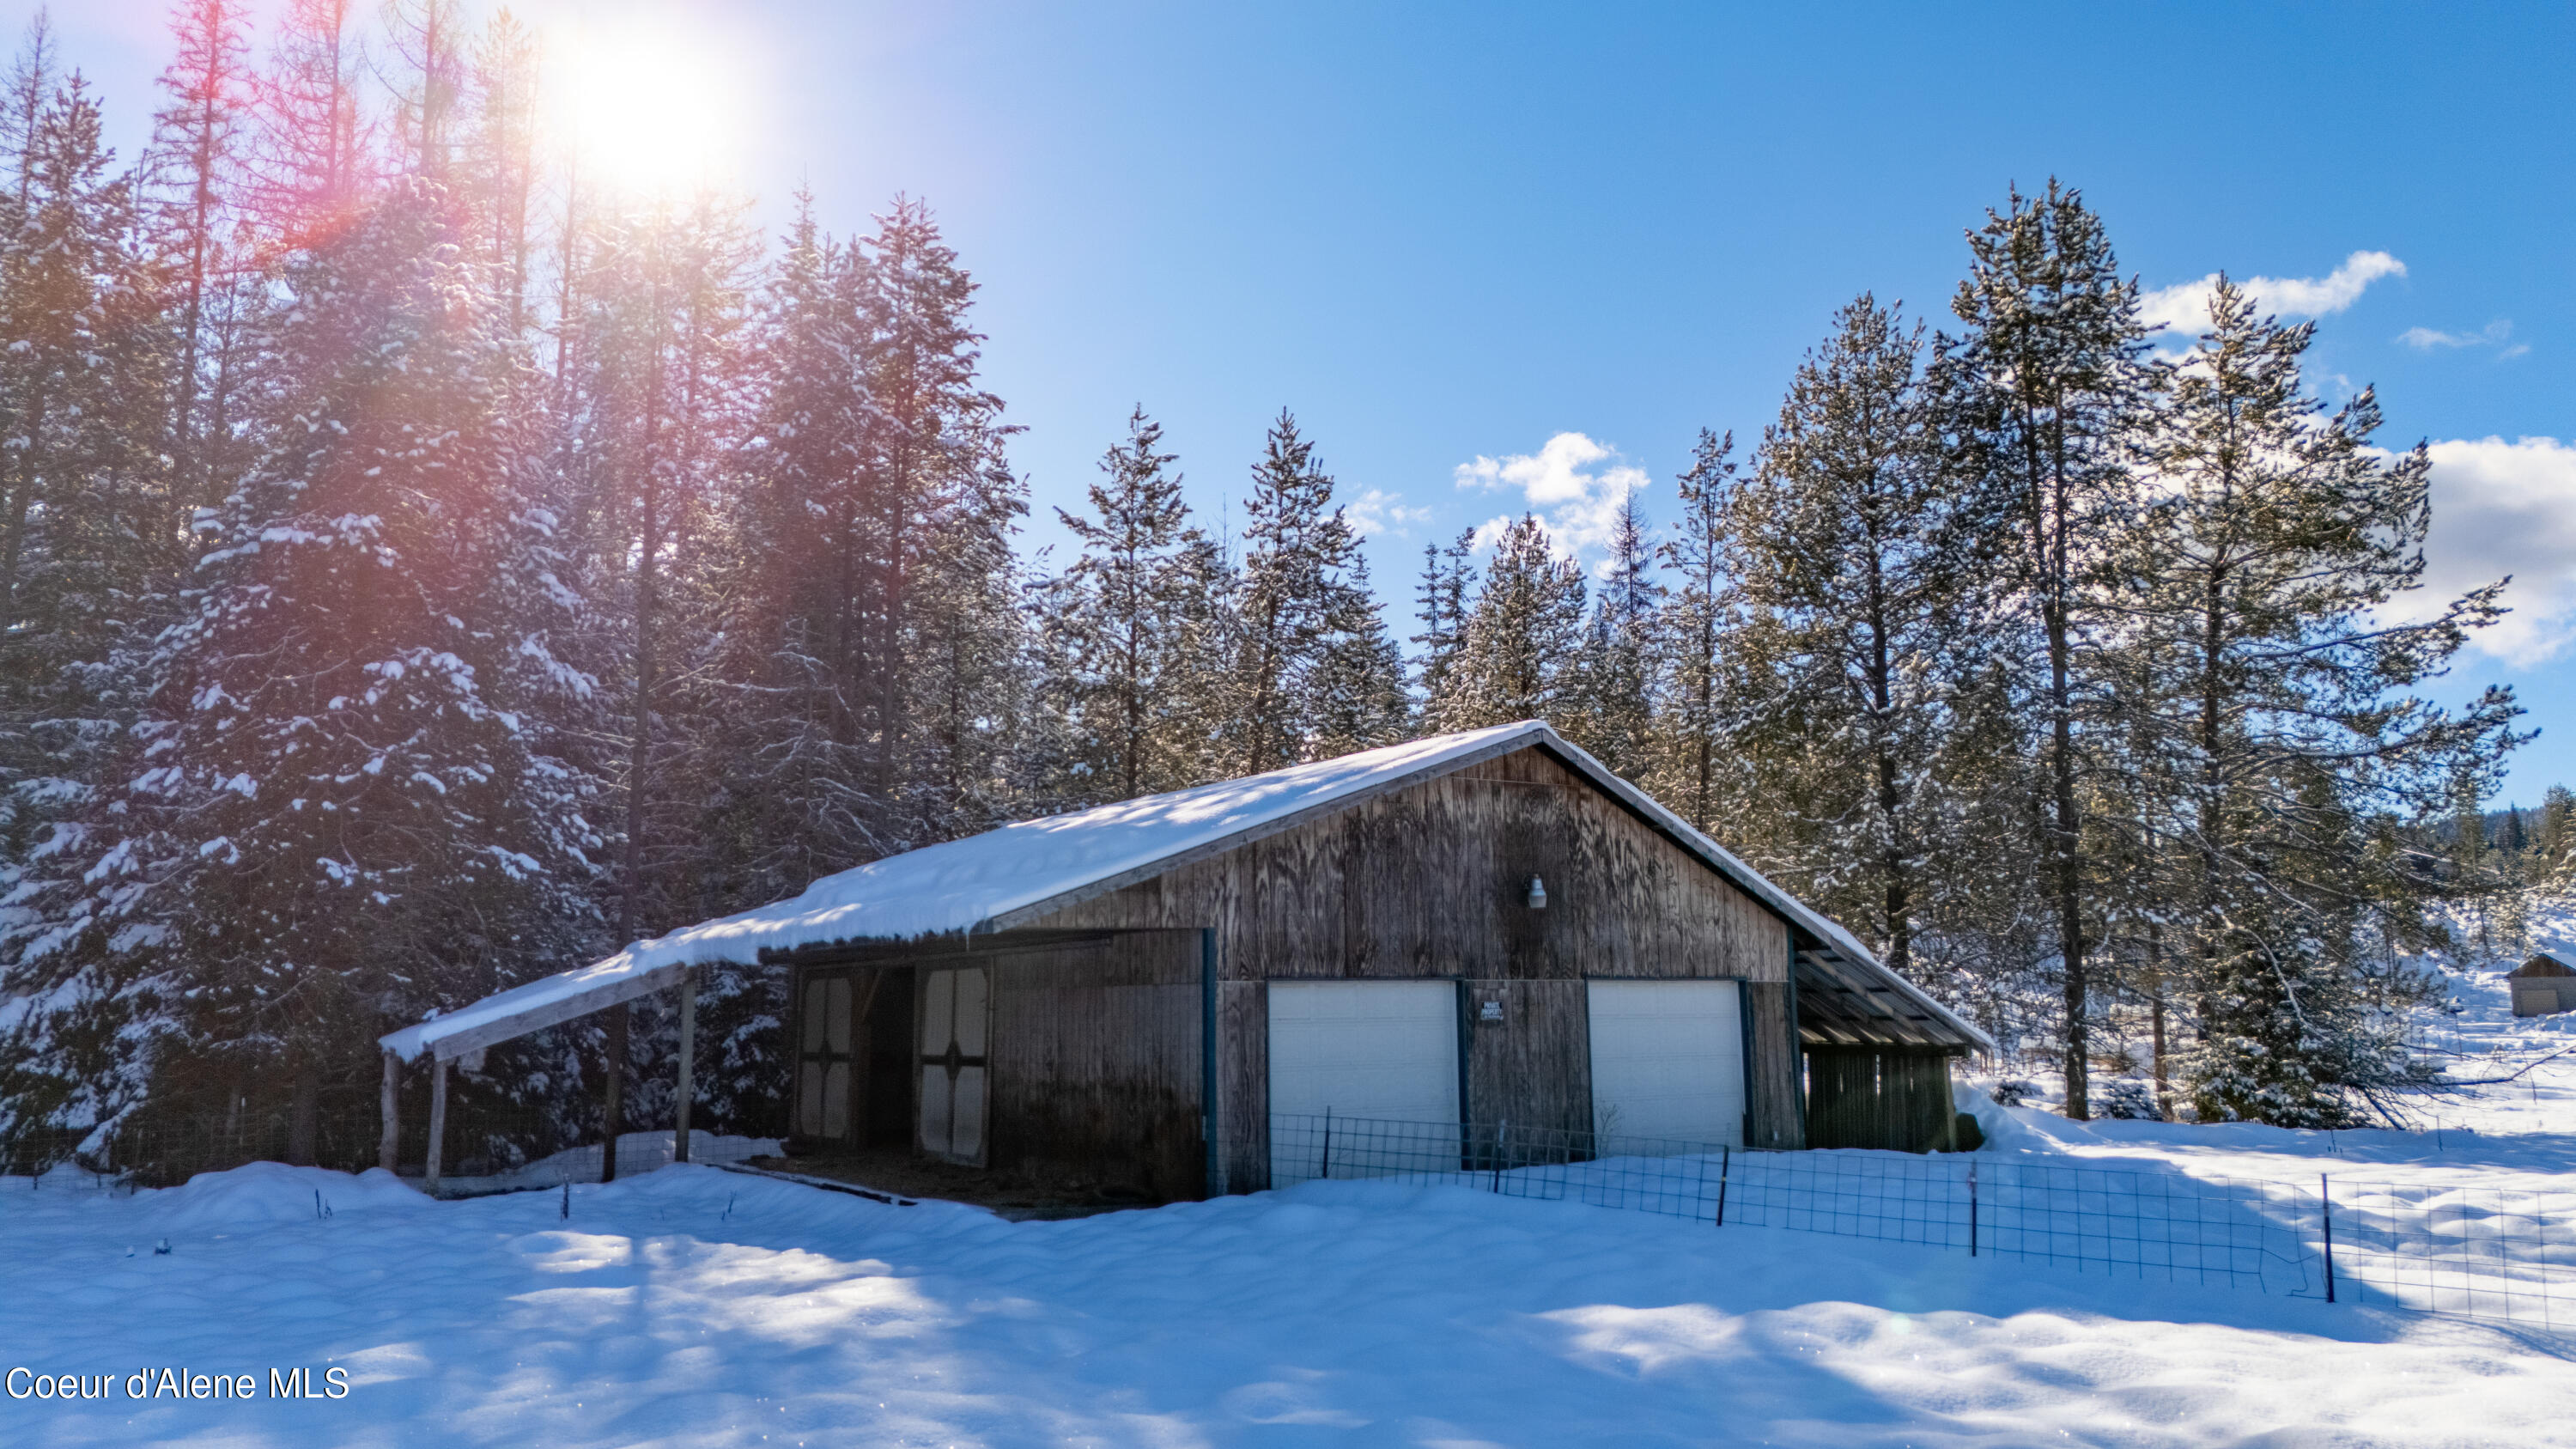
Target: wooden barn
2542,986
1478,928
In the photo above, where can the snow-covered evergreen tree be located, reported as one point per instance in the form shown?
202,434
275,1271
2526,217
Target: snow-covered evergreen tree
1619,668
1360,701
2047,398
1113,618
1519,658
1440,599
1859,615
2261,582
86,535
334,820
1692,730
1291,598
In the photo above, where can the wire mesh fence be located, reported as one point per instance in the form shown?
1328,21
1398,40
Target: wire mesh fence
2469,1250
2485,1252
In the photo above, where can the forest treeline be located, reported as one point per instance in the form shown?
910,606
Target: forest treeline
423,572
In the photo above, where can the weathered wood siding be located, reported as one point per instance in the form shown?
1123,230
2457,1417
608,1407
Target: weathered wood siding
1776,1097
1432,880
1095,1062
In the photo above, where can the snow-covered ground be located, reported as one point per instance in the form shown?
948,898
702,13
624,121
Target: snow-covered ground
695,1306
692,1306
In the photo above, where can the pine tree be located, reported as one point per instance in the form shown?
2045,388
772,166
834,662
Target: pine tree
2260,579
1694,631
664,402
503,156
334,817
1298,550
1519,659
1440,602
195,155
1858,616
313,162
428,38
85,536
1116,613
2047,392
802,780
1360,700
2555,833
1618,666
1198,681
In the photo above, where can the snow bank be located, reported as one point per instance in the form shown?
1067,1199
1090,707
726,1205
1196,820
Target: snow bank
268,1192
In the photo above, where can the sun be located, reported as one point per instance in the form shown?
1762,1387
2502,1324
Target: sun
645,107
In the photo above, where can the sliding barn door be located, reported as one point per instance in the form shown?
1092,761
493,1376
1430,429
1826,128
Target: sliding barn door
956,1019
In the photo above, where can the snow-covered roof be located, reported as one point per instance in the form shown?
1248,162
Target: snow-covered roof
1022,871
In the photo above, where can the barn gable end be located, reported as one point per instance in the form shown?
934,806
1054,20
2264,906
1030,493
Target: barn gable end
1432,880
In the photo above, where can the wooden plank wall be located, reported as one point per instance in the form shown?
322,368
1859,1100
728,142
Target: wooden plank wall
1095,1062
1432,881
1534,1067
1890,1098
1776,1095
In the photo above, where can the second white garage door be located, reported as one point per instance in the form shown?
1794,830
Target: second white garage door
1668,1061
1366,1052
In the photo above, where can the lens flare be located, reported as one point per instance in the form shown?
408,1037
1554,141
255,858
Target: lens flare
646,107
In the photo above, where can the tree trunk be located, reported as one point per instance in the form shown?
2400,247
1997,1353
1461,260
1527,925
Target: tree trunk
613,1104
2156,1019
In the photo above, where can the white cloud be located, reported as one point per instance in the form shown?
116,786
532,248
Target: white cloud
1378,511
2184,307
2494,334
2505,508
1575,485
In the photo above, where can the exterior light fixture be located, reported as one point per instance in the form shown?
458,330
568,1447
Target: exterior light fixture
1537,894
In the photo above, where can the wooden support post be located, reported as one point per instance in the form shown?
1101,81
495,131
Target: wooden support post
437,1117
614,1108
688,1053
386,1098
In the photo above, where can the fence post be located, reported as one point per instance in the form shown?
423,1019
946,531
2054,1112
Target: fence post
1327,1173
2325,1201
1972,1207
1502,1144
1725,1160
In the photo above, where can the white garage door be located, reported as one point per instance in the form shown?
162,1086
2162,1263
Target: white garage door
1668,1061
1368,1053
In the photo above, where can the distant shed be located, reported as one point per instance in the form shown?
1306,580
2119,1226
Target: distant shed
1479,928
2542,986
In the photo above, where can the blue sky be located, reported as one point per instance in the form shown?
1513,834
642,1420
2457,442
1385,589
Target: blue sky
1442,234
